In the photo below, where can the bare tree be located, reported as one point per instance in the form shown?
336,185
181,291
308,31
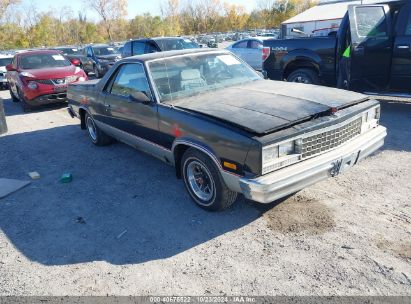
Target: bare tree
5,4
110,11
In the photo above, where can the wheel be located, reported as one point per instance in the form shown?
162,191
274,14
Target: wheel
23,103
96,72
98,137
14,98
204,183
306,76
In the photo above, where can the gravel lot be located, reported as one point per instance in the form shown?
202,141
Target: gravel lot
126,226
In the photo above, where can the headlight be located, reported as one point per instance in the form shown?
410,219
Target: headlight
71,79
270,154
370,119
280,155
32,85
286,149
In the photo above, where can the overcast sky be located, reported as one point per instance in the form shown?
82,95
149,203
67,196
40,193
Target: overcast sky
135,7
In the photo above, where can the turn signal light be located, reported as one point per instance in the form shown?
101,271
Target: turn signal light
230,165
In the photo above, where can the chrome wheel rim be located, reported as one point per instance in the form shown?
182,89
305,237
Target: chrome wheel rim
91,127
301,79
200,181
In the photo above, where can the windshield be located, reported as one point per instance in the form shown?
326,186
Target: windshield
176,44
41,61
188,75
70,51
102,51
5,61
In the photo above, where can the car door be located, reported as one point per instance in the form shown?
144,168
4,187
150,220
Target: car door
138,48
255,53
401,61
240,49
12,76
89,63
371,47
123,112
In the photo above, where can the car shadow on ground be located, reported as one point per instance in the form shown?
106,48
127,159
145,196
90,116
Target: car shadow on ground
122,206
396,117
13,108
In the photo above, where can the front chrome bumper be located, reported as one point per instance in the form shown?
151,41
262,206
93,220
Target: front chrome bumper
291,179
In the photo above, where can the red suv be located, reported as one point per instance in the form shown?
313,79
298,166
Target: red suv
42,77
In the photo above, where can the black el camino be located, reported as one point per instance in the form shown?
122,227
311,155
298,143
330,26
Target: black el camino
224,128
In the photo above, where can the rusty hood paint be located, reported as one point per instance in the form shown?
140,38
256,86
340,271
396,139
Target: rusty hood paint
264,106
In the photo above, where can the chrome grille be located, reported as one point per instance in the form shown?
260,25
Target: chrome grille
45,81
57,81
325,141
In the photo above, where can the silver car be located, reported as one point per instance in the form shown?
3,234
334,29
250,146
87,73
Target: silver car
250,50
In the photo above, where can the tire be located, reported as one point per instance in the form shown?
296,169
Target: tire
13,97
98,137
96,72
219,196
306,76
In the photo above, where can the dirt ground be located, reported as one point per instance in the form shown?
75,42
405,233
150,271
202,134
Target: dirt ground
126,226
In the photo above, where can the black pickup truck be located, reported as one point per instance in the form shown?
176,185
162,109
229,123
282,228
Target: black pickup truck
224,128
380,40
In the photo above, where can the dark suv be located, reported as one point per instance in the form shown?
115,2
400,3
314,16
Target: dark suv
160,44
98,59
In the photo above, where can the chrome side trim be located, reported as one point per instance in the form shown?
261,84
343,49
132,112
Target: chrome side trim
139,143
230,179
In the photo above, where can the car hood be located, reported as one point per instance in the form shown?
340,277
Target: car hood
53,72
265,106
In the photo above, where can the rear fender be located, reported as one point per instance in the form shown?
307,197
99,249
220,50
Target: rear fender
300,59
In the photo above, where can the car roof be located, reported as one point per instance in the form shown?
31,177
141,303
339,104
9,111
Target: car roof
38,52
156,39
169,54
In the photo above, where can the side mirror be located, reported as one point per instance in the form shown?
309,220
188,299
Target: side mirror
10,68
140,97
75,62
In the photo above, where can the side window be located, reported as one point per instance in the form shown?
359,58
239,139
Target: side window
151,48
254,44
127,49
14,62
241,45
130,78
138,48
371,21
89,52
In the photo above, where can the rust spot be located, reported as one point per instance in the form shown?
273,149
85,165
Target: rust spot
176,130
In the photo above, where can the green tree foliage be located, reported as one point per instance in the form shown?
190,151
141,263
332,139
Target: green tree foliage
33,29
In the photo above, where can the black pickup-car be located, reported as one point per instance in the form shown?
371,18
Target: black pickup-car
380,40
224,128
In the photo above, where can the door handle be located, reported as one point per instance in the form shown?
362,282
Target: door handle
359,50
403,47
